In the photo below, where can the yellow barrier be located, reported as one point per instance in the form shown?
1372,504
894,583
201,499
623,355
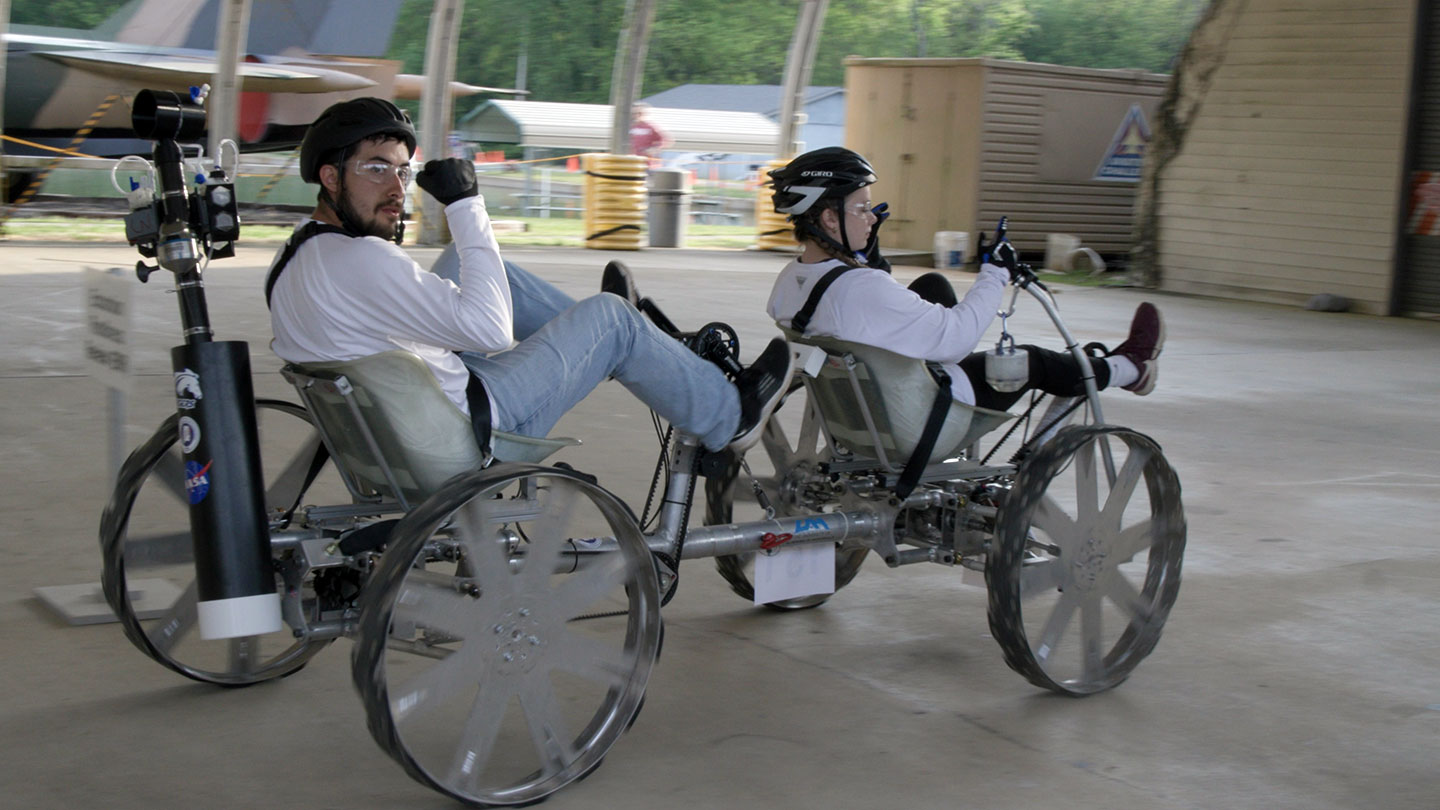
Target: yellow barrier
614,201
774,232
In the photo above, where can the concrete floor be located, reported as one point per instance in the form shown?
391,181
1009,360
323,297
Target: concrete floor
1300,667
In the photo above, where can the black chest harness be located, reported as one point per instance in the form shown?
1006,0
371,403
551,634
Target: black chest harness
475,393
910,475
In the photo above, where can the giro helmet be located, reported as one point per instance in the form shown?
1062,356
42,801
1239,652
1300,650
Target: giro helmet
832,172
347,123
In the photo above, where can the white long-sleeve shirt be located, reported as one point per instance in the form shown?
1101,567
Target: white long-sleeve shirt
342,298
870,307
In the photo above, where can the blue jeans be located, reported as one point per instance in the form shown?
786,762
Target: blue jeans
567,348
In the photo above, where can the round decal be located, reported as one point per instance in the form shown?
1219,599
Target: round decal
189,434
197,481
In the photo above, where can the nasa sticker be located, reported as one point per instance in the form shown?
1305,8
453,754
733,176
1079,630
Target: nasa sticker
197,481
187,389
189,435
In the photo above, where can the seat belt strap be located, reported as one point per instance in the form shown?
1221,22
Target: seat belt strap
939,409
298,238
800,320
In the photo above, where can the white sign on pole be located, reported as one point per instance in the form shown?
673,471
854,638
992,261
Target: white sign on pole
107,327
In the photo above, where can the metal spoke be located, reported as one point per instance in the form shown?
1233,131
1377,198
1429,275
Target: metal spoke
553,742
776,445
590,658
548,534
170,472
1051,518
1124,487
482,726
489,558
428,690
438,606
1123,594
282,491
1055,625
1041,577
1087,488
1131,541
174,548
583,589
809,432
177,621
244,653
1090,640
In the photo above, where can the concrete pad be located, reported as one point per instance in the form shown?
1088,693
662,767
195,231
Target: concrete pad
1300,667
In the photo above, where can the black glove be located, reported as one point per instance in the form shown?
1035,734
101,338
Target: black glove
872,245
1001,254
448,180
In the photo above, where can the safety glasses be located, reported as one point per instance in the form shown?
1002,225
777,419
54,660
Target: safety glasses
380,173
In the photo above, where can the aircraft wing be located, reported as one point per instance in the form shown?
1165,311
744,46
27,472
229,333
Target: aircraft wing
172,69
410,86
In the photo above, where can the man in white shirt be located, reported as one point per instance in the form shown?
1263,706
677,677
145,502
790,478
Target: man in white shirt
827,196
342,289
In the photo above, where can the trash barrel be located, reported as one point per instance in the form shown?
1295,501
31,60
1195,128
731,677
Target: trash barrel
669,207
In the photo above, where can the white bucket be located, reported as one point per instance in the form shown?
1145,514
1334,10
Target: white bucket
950,249
1058,250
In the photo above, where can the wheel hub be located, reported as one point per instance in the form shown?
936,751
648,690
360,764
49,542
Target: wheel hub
517,639
1089,563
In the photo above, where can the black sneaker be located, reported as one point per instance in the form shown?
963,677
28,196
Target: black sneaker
761,386
617,279
1142,347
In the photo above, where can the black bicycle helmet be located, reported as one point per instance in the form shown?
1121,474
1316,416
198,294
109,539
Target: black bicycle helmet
831,172
347,123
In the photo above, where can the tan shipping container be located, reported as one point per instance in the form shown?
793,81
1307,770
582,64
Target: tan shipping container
958,143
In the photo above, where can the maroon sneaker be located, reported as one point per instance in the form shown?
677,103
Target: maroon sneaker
1142,347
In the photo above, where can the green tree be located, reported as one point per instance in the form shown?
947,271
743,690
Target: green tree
81,14
1145,34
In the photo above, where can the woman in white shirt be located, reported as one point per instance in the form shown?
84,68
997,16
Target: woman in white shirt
826,194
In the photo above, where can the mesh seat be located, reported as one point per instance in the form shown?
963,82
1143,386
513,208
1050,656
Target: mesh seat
875,403
392,430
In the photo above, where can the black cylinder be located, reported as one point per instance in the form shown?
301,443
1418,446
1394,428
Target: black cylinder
164,114
223,480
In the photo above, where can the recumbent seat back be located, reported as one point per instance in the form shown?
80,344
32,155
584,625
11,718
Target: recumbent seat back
392,431
875,403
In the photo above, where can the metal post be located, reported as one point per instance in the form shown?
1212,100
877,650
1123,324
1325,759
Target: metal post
224,103
437,106
797,74
4,56
629,63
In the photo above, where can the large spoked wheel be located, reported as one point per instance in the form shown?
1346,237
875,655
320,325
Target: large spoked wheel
732,494
149,573
508,634
1085,565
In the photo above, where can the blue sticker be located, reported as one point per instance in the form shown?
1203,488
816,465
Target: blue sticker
197,481
811,524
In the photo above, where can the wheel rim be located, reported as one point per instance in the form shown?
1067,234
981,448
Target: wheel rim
149,559
1085,567
781,454
484,674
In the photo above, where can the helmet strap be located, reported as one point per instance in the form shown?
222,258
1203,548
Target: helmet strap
839,248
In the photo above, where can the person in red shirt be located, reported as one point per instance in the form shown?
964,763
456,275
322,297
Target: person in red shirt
646,138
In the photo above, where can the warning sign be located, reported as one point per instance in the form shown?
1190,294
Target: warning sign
106,349
1123,159
1424,219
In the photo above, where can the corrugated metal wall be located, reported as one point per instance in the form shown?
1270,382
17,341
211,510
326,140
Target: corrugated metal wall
1287,181
1017,98
1420,271
957,143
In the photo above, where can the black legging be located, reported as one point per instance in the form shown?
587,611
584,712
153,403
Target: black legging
1053,372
